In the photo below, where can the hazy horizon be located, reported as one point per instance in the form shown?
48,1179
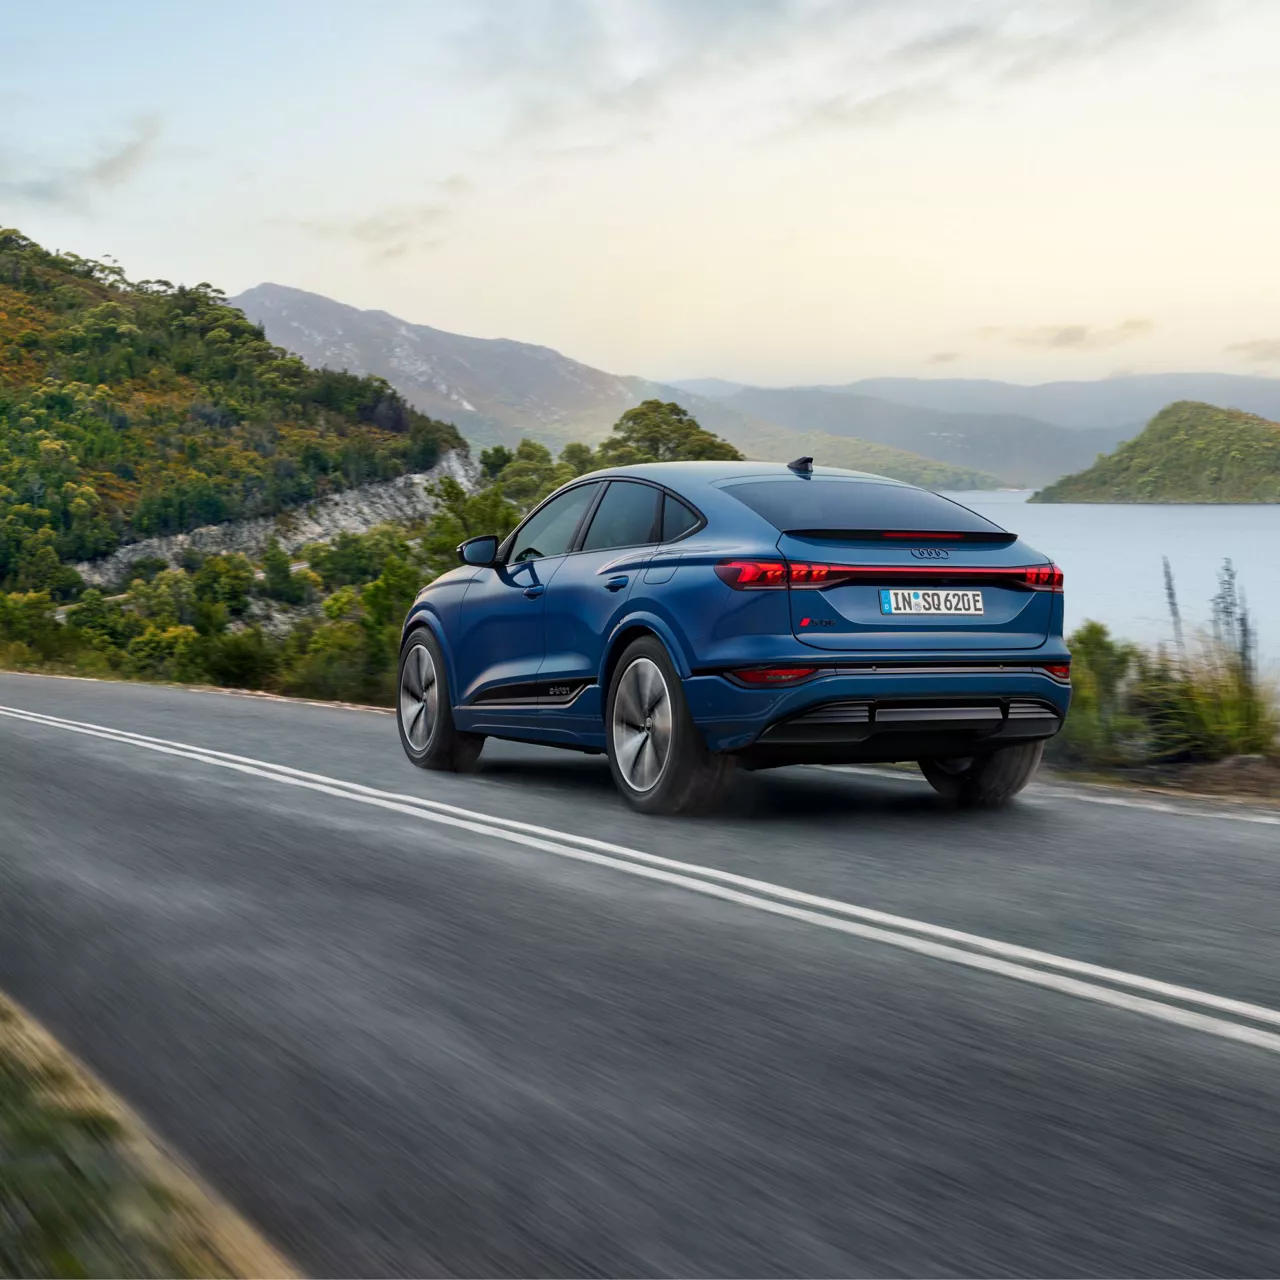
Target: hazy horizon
767,191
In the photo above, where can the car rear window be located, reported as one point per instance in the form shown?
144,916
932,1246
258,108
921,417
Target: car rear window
856,506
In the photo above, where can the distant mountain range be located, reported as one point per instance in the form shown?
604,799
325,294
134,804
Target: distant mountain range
1018,449
494,390
497,391
1107,402
945,433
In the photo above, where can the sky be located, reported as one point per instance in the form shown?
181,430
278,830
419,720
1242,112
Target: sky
772,191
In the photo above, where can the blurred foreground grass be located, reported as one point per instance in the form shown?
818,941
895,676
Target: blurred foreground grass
85,1192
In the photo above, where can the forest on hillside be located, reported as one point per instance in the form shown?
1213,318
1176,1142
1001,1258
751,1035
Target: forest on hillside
134,408
1189,452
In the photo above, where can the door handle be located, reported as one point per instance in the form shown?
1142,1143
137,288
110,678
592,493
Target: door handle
616,584
532,593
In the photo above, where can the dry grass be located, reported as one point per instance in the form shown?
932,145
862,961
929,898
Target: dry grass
86,1191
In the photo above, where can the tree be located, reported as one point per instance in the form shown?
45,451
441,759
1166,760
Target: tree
459,516
657,432
279,582
493,460
532,474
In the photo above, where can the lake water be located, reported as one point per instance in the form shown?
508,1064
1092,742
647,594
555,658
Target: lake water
1111,558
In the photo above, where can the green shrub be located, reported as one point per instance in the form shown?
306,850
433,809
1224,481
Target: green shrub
1100,730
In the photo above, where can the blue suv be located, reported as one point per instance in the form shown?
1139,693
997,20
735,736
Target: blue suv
690,617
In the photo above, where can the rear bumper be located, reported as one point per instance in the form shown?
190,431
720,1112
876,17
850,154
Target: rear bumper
867,715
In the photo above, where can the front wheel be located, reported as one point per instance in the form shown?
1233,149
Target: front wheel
658,758
986,781
424,709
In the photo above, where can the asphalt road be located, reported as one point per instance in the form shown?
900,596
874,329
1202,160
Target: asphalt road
417,1040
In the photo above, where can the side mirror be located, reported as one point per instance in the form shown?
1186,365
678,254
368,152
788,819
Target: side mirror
481,552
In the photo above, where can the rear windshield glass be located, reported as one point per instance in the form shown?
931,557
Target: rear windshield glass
852,506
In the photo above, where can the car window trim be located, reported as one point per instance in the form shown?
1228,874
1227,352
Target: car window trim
665,492
602,483
581,536
700,521
504,551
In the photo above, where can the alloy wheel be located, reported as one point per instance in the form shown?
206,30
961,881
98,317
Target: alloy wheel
418,702
642,725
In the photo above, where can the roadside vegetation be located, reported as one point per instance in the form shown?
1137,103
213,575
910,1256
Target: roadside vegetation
1197,701
324,623
84,1192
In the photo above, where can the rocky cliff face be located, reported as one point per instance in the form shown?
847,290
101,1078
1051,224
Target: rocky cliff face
353,511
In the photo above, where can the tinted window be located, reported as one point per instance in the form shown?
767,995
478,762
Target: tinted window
850,505
677,519
549,531
625,517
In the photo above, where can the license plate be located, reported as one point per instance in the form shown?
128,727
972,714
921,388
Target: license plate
964,603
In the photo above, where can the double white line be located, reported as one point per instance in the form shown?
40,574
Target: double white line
1184,1006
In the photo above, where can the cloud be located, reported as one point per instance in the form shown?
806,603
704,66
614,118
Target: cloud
949,52
884,108
75,185
386,233
960,38
1258,350
1069,337
944,357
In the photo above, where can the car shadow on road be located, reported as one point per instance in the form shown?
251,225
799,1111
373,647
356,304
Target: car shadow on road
802,795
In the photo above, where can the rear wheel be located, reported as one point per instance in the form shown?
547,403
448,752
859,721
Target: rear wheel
424,709
659,760
984,781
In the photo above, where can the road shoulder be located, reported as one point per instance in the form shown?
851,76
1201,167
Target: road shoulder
86,1189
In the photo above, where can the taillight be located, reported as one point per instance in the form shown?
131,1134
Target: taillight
774,675
1058,670
1043,577
752,575
772,575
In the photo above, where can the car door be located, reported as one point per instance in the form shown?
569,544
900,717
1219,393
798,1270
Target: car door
501,639
591,587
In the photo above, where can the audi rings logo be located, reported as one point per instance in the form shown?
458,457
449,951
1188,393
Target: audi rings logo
931,553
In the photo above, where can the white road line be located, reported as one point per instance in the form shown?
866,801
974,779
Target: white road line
1048,794
704,880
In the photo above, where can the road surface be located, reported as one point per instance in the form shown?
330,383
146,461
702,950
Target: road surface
499,1025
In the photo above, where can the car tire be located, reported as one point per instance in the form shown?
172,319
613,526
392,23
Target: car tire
659,759
984,781
424,709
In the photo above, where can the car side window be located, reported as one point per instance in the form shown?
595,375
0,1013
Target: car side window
677,519
550,529
626,517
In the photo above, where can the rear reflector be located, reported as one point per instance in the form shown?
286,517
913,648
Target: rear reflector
774,575
1058,670
774,675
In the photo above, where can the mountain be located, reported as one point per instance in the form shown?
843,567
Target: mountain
135,409
1188,452
1019,450
494,389
777,444
498,391
1110,402
711,387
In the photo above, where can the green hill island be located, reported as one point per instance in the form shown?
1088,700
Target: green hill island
1189,452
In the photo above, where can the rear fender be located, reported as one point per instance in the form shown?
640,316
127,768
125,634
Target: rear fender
647,621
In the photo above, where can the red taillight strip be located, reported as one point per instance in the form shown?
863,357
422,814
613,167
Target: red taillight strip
764,575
